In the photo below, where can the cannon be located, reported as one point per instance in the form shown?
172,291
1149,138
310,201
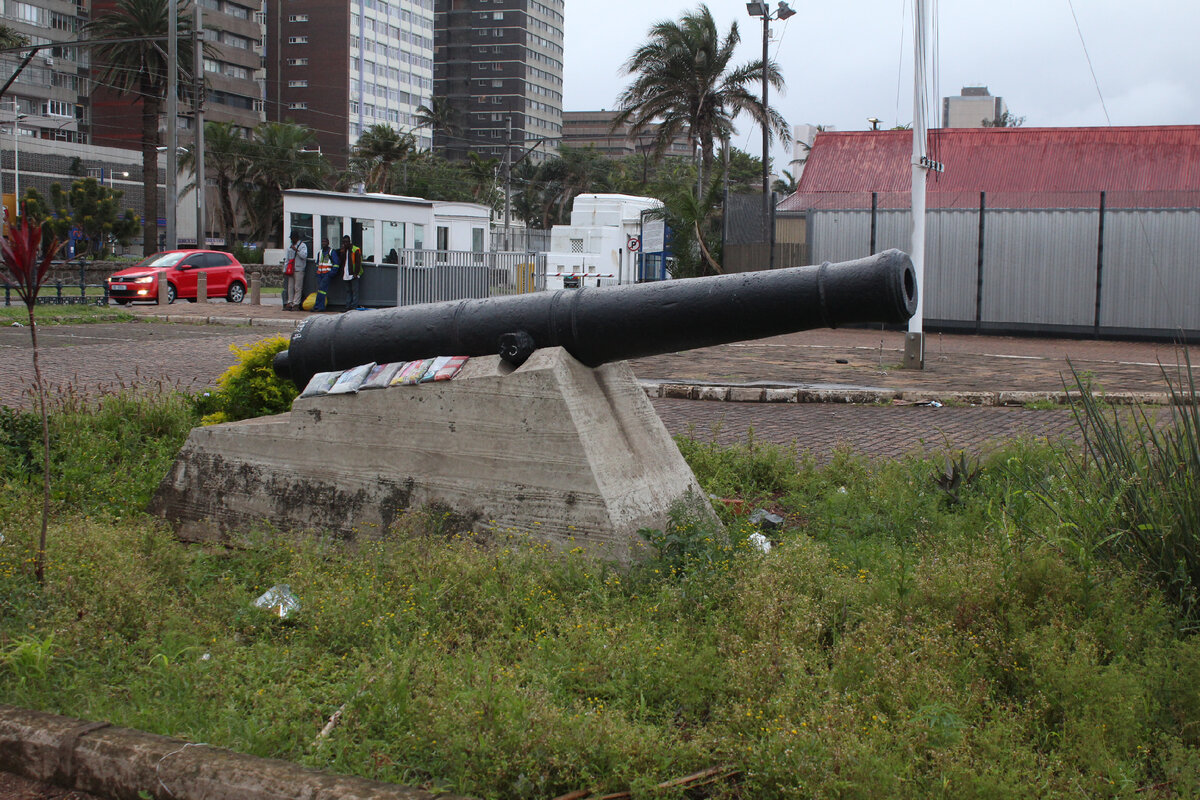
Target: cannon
566,448
603,325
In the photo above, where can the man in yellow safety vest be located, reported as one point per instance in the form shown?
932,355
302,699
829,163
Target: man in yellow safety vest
327,262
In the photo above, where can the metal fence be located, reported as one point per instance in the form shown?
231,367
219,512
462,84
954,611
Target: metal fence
757,236
69,285
431,276
1099,268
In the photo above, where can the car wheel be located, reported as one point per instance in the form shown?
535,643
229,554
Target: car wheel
237,293
190,299
171,293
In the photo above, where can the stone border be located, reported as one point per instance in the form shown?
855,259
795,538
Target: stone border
109,761
734,393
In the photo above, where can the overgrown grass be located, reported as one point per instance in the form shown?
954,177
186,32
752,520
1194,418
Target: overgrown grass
897,642
63,315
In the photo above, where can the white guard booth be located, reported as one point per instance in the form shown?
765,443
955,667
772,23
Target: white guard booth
388,228
600,247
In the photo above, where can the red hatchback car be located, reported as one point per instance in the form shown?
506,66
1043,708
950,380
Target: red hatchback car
225,276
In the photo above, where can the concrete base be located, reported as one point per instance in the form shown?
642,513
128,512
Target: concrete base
573,455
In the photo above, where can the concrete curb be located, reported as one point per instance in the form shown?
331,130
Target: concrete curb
733,393
121,762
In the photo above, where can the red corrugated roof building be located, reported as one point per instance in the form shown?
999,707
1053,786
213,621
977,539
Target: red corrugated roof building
1144,167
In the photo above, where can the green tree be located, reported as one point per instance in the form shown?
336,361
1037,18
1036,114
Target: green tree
784,185
280,155
1006,120
11,38
226,156
379,147
683,79
744,172
137,66
483,175
95,210
697,227
441,118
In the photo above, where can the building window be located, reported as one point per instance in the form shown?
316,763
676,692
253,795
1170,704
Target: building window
297,84
298,18
297,106
297,62
297,40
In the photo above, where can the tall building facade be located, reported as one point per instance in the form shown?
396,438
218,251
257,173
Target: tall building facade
233,63
49,99
341,66
595,129
969,110
499,66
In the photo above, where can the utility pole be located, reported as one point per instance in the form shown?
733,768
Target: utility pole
507,179
198,101
172,122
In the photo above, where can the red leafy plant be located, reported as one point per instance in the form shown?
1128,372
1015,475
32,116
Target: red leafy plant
22,267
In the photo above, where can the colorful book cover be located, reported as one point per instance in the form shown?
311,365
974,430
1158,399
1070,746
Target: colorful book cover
434,365
320,383
412,372
448,370
351,379
380,376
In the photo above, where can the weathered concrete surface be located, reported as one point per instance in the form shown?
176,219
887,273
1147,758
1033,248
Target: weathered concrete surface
573,455
121,763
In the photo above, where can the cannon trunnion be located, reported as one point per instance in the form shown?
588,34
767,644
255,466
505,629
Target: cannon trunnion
603,325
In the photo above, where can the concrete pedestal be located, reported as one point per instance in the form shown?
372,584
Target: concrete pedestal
573,455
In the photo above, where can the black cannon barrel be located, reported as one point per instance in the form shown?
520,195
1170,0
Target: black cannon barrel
601,325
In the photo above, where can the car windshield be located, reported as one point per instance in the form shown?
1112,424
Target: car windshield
163,260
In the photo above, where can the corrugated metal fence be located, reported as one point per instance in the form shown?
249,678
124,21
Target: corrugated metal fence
1102,270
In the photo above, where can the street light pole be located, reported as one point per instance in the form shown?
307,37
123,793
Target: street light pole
172,190
783,12
17,161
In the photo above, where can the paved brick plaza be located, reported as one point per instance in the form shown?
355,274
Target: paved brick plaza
92,359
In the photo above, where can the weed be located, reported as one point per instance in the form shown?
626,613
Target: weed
250,388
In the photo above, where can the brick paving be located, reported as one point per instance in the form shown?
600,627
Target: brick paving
153,355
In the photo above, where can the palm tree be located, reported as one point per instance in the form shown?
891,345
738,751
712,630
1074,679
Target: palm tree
483,174
683,81
440,117
378,148
139,69
225,159
11,38
784,185
281,155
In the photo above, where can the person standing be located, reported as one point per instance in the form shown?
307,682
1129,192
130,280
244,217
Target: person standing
350,257
295,264
327,263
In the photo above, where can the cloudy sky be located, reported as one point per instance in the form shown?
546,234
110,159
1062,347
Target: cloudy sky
847,60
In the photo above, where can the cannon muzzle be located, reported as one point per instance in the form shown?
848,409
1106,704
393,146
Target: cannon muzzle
601,325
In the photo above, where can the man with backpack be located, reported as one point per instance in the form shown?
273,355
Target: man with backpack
350,257
327,262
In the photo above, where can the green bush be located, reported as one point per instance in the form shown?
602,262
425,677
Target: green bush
20,443
250,388
1134,492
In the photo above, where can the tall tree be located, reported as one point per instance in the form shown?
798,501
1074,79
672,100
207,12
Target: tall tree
89,207
137,67
440,117
379,147
280,155
11,38
684,80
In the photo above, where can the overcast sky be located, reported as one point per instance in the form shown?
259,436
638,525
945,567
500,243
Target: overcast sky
847,60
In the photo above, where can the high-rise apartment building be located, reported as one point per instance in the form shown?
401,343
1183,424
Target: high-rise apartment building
232,31
50,95
341,66
499,66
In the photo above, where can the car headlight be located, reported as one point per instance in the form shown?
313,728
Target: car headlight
146,279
